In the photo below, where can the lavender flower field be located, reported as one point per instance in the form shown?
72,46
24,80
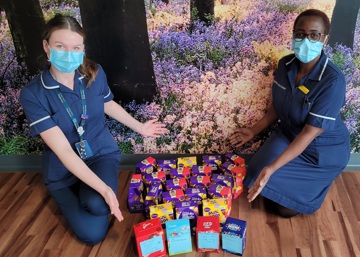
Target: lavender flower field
211,79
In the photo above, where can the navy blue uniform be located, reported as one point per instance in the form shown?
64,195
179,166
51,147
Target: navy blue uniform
84,209
302,184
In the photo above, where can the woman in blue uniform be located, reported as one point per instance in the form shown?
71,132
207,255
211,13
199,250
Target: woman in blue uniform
66,105
297,164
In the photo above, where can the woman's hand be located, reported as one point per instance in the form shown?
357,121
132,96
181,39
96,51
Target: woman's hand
241,136
111,200
152,128
259,183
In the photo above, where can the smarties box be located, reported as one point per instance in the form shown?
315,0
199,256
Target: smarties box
234,236
150,239
178,236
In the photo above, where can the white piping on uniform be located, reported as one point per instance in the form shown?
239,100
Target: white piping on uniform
290,61
282,87
45,86
108,93
321,116
322,72
40,120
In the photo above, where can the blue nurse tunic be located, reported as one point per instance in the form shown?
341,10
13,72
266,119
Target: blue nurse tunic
44,110
302,184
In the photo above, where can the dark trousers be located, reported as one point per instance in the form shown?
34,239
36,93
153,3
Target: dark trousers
85,209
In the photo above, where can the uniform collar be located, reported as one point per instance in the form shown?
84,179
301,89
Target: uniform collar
48,82
318,71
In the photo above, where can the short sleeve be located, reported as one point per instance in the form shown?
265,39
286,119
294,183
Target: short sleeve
326,107
107,93
38,116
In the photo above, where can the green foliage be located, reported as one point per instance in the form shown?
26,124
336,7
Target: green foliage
126,147
19,145
339,59
357,61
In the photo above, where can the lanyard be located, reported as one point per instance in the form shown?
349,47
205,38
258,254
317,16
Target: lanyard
84,116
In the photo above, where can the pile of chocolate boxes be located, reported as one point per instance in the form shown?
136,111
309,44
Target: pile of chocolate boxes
181,199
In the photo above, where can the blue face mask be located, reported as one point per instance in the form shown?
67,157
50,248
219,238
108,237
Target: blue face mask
66,61
305,50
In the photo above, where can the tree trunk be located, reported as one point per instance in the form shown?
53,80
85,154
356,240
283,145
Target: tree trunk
343,22
26,24
117,38
204,10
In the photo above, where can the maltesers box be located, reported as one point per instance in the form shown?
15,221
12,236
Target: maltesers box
150,239
208,234
178,236
234,236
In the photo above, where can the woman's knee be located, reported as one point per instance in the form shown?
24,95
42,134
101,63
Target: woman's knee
96,206
92,236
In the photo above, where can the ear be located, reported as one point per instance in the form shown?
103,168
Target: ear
326,40
46,48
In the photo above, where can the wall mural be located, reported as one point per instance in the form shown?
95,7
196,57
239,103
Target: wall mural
203,73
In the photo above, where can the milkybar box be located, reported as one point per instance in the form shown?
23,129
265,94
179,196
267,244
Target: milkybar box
196,194
208,234
166,165
146,166
155,176
181,172
233,236
196,181
216,207
198,170
176,183
173,196
163,212
214,161
178,236
186,161
150,239
236,159
188,209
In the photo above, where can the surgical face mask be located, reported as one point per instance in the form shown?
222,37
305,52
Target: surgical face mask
66,61
305,50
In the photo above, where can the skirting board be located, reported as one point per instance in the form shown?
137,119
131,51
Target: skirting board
32,163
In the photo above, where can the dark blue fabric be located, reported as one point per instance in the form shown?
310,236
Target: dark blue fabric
85,209
44,110
303,183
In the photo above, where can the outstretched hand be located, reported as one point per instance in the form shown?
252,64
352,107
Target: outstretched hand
241,136
259,183
111,200
152,128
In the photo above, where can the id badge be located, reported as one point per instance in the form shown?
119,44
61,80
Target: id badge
83,149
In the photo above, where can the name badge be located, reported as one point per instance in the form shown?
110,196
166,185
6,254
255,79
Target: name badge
83,149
